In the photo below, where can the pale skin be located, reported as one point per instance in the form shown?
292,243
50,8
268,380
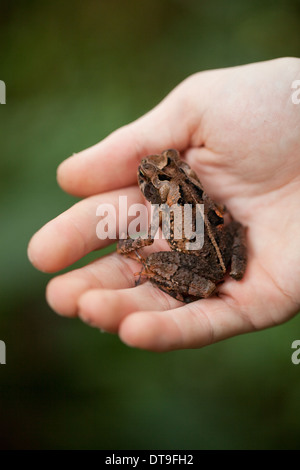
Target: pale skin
240,131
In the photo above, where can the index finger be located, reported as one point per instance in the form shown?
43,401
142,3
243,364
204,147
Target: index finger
112,163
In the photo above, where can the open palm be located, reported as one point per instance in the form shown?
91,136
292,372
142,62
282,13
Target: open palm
239,130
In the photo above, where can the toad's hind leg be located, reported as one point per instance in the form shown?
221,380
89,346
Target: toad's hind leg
196,288
175,273
239,251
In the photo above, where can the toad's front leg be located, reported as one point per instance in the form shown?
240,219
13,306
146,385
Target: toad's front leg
176,273
128,245
238,250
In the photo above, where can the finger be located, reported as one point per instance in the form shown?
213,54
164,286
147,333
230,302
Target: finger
113,162
234,312
105,309
72,235
191,326
109,272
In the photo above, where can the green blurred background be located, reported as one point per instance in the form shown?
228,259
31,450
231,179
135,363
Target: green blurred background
76,71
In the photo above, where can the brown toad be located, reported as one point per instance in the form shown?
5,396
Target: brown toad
184,273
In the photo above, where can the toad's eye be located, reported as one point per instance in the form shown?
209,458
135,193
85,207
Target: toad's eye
141,174
147,166
163,177
151,194
214,218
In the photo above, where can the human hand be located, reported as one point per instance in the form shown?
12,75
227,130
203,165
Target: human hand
239,130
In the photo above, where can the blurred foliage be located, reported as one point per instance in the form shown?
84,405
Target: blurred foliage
74,72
